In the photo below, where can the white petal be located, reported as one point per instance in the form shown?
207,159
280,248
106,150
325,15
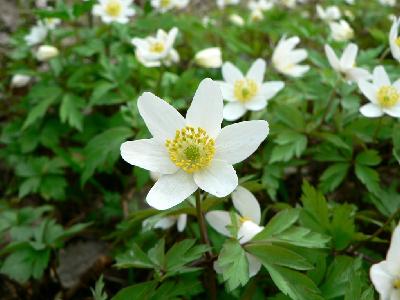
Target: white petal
247,231
230,73
382,279
254,264
396,84
170,190
357,74
380,77
246,204
233,111
165,223
161,119
332,58
181,224
219,219
238,141
349,55
227,91
298,70
371,110
393,255
257,103
393,111
148,154
218,179
257,71
206,108
271,88
369,90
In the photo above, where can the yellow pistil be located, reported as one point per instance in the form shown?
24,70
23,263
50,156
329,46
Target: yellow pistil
388,96
165,3
113,8
398,41
192,149
243,219
396,283
157,47
245,89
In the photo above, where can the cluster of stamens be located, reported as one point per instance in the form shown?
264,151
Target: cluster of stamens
398,41
113,8
396,283
165,3
388,96
157,47
245,89
192,149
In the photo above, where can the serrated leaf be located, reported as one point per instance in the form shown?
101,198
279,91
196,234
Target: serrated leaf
279,223
333,176
70,111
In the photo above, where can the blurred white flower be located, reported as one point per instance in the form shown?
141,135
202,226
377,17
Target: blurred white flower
256,15
249,218
117,11
209,58
351,2
286,59
394,39
331,13
288,3
192,152
246,92
386,275
223,3
346,65
388,2
167,222
36,35
341,31
20,80
41,3
384,96
46,52
262,5
153,51
51,23
237,20
165,5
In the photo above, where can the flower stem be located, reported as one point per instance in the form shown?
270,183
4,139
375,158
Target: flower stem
210,274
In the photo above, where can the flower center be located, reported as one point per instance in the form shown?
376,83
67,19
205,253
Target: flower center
192,149
243,219
157,47
165,3
388,96
113,8
245,89
398,41
396,283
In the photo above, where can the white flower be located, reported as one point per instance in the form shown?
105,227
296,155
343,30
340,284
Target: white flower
394,38
286,59
384,96
166,5
329,14
51,23
235,19
36,35
346,64
223,3
249,219
114,10
20,80
351,2
262,5
167,222
246,92
288,3
153,51
46,52
386,275
192,152
209,58
388,2
256,15
341,31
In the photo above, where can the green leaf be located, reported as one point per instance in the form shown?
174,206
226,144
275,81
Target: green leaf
98,292
279,223
141,291
157,254
316,208
232,261
369,177
368,158
290,144
134,258
333,176
290,116
70,111
38,112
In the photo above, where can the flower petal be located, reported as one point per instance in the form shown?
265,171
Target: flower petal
170,190
219,179
393,255
349,55
393,111
257,103
369,90
271,88
206,108
227,91
219,220
233,111
231,73
371,110
380,77
161,119
246,204
247,231
181,224
148,154
357,74
257,71
382,279
254,264
332,58
238,141
165,223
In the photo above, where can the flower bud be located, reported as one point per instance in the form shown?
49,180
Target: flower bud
46,52
209,58
20,80
236,20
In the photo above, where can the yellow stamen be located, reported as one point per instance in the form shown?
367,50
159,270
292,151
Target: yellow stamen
398,41
388,96
192,149
243,219
113,8
157,47
165,3
245,89
396,283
